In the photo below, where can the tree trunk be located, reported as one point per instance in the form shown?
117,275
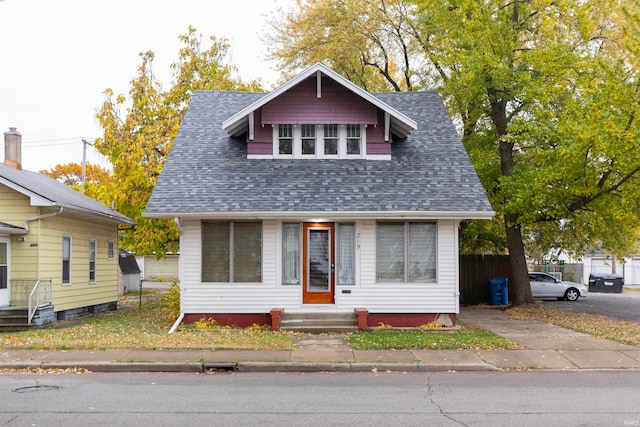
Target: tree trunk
520,288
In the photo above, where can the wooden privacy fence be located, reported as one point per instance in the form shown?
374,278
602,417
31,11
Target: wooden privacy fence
475,272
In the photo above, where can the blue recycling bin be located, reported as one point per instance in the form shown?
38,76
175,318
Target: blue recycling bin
498,291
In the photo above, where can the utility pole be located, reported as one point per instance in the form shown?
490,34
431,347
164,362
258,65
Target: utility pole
84,163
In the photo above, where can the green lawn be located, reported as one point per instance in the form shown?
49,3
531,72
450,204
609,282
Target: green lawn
468,337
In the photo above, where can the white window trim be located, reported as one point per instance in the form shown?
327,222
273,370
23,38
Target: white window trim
342,145
406,253
231,254
111,250
95,260
357,262
70,260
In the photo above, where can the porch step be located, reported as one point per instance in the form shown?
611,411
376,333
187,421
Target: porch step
319,323
15,327
13,319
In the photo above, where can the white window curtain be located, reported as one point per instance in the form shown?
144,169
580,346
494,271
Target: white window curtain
422,253
346,254
390,252
291,254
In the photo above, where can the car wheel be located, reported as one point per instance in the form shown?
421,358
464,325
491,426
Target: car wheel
571,294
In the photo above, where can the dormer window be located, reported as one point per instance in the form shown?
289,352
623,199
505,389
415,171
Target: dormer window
319,141
285,139
308,140
330,140
353,140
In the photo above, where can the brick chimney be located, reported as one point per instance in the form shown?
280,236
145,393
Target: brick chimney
13,148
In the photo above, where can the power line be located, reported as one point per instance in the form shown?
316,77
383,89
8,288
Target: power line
52,142
55,140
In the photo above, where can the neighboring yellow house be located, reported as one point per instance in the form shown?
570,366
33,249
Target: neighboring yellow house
55,244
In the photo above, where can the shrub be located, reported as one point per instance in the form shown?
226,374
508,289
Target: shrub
171,302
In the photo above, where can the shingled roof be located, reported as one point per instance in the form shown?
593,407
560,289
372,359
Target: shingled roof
46,191
208,174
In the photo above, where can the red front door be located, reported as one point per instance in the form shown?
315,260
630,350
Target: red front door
319,263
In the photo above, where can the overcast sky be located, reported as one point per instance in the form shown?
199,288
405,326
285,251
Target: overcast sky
58,56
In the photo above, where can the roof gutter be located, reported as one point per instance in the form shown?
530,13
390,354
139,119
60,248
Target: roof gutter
329,214
37,217
120,220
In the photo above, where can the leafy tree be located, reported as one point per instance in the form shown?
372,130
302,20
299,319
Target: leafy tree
97,178
368,42
138,132
545,93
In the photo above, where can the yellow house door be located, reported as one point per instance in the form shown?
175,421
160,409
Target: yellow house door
5,292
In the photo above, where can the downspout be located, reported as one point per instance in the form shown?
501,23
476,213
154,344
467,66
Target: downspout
37,217
178,224
179,319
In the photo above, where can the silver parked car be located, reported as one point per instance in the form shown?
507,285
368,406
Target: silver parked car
546,286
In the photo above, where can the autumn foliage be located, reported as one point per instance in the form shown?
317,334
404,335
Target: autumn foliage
138,132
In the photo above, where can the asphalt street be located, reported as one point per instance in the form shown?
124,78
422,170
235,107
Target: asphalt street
624,306
558,398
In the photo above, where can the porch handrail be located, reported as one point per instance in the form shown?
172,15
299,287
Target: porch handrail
40,294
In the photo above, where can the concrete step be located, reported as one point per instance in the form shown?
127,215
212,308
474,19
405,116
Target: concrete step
320,329
15,326
14,311
318,315
317,323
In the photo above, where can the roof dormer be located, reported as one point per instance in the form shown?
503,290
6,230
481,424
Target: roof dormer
313,105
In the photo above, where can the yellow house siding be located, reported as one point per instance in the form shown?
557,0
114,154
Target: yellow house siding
15,207
79,292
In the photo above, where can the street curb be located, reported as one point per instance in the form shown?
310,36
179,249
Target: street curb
186,367
358,367
127,367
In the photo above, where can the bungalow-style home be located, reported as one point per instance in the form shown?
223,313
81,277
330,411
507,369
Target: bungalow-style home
58,248
318,197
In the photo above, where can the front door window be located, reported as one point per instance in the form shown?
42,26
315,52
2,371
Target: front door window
319,265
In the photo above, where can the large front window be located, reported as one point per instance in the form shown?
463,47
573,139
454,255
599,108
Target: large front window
231,251
406,252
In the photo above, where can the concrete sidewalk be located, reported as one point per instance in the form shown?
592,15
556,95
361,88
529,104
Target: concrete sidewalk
545,347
